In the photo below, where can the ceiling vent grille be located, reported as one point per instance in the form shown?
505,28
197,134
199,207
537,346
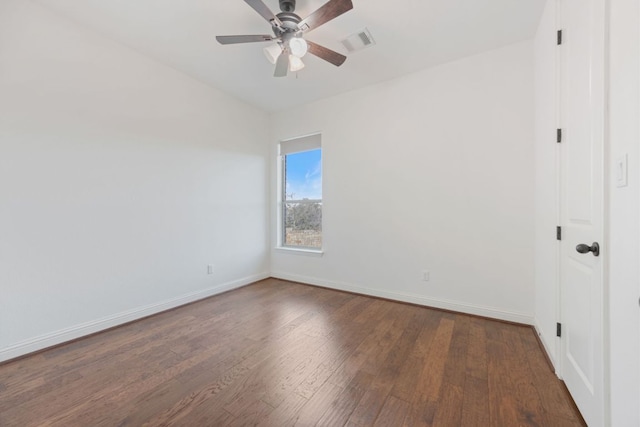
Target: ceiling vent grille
358,41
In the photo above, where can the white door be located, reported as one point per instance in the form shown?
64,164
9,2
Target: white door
582,83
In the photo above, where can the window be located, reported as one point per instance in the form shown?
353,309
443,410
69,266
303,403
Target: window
301,193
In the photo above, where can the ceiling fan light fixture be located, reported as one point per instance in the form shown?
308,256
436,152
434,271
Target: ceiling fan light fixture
288,29
298,46
295,63
272,52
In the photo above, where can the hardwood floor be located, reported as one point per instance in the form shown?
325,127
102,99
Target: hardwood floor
278,353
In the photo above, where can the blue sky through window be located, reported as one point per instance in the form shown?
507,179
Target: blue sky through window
304,175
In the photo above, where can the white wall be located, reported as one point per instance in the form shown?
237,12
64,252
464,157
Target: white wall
546,195
429,171
120,180
624,212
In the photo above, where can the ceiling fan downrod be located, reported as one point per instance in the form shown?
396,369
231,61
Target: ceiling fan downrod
288,5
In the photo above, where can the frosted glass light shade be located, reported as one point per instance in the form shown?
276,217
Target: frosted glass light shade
298,47
272,52
295,63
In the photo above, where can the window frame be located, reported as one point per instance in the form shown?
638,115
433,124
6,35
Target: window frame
304,143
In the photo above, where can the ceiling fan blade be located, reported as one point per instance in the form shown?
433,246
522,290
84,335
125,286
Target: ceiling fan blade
244,39
330,10
282,65
327,54
265,12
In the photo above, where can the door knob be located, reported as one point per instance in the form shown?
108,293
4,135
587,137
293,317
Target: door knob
585,249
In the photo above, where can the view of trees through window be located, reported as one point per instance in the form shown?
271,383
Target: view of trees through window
303,224
302,199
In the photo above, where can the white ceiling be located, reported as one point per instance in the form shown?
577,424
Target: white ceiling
410,35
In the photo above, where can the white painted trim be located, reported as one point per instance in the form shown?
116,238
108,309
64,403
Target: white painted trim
558,190
299,251
460,307
88,328
545,345
609,343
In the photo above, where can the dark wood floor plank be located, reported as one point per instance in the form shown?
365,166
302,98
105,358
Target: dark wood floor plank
395,351
311,372
553,398
246,380
392,413
366,349
277,353
476,365
262,383
475,407
340,409
411,370
503,405
335,357
399,319
317,405
530,410
252,415
236,386
371,403
426,395
449,409
285,413
144,395
207,416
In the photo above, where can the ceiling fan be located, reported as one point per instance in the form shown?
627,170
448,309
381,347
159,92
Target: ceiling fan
288,29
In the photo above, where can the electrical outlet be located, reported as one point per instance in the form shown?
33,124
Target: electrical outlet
425,275
210,269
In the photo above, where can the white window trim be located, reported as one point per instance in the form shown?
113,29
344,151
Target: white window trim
294,145
299,251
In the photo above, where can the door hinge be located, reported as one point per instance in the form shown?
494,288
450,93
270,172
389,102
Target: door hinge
558,330
558,136
558,233
559,41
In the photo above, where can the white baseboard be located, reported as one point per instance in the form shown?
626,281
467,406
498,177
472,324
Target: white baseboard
477,310
88,328
545,345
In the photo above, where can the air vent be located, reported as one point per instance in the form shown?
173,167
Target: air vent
358,41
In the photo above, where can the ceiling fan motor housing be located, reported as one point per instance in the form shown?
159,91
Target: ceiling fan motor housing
289,26
287,5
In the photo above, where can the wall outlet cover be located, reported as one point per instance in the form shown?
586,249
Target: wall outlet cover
620,170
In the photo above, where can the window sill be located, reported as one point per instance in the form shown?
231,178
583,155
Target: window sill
300,251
